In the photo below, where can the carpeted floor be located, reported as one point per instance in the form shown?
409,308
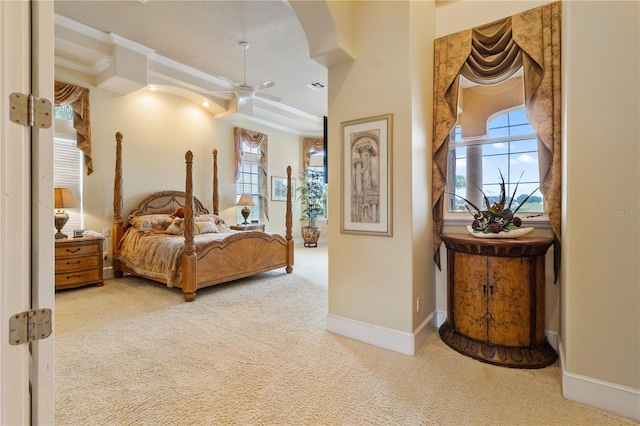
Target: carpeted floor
256,352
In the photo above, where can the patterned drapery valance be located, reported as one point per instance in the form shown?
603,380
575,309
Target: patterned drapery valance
78,98
489,54
253,139
308,145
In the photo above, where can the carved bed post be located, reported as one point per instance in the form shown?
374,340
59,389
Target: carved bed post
117,228
216,197
288,236
189,283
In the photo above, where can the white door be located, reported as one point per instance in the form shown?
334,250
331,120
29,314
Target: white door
26,212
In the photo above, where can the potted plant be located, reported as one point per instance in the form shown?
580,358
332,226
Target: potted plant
313,195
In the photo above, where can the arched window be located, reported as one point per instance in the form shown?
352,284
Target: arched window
510,147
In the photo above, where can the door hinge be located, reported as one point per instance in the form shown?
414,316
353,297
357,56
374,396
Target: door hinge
28,326
30,111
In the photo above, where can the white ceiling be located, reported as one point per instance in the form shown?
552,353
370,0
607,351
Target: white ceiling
189,44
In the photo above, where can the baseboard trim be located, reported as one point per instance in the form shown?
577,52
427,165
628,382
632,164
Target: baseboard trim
107,272
607,396
384,337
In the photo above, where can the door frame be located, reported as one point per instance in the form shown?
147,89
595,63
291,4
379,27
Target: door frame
26,188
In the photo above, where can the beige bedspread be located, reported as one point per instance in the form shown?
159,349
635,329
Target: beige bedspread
159,255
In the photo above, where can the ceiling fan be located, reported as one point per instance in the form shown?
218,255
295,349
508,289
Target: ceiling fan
243,91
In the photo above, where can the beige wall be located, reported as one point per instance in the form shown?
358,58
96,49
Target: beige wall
157,130
374,279
601,232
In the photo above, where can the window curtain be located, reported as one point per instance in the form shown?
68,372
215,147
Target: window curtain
254,140
78,98
490,54
308,145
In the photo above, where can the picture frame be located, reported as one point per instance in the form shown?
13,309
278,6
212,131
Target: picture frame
366,178
279,188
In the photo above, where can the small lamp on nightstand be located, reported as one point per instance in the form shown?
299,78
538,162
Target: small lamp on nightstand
245,200
62,199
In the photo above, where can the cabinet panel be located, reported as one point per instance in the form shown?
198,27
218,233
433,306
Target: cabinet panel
509,301
469,299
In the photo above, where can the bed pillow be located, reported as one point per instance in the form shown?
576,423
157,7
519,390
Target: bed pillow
151,222
206,227
178,213
175,228
199,226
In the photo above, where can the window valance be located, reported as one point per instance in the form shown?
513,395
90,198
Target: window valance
489,54
254,140
308,145
78,98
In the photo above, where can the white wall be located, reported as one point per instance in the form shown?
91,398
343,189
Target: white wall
374,280
157,130
601,225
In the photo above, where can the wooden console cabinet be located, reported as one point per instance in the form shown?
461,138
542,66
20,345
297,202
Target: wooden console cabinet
496,300
78,261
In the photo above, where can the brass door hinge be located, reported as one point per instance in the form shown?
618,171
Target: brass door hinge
28,326
30,111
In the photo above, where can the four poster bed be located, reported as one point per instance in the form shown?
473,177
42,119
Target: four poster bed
195,251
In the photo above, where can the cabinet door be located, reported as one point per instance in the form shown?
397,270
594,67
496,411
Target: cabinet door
469,300
509,298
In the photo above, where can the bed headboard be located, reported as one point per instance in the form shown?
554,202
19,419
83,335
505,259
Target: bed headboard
166,202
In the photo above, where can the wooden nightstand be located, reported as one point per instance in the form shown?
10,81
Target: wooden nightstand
78,261
254,227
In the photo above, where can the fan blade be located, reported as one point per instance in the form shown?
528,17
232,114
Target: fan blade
264,85
268,97
228,80
216,92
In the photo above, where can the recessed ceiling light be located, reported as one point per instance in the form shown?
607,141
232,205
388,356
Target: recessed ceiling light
205,104
316,85
153,88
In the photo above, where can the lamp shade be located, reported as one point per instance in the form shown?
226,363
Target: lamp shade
245,200
63,199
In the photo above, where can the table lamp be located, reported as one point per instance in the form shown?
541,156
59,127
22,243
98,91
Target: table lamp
62,199
245,200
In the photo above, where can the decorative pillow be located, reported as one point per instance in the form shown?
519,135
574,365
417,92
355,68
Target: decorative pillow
200,226
176,227
178,213
216,219
151,222
207,227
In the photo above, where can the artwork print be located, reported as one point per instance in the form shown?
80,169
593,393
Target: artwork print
366,161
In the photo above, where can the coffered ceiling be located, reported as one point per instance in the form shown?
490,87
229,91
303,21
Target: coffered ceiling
184,47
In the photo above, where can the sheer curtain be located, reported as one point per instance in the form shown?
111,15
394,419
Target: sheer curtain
78,98
254,140
489,54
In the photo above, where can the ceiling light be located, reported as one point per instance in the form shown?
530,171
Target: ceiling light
205,104
153,88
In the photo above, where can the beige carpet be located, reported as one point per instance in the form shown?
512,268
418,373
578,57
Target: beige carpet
256,352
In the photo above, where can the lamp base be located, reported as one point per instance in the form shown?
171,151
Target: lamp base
59,220
245,214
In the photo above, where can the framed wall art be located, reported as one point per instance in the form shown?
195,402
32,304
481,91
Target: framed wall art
279,188
366,194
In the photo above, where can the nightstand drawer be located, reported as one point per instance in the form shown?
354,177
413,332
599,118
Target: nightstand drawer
77,263
80,249
74,278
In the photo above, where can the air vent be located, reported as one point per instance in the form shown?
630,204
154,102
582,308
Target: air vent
316,85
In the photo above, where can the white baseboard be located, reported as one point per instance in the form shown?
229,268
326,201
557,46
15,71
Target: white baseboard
607,396
398,341
107,272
